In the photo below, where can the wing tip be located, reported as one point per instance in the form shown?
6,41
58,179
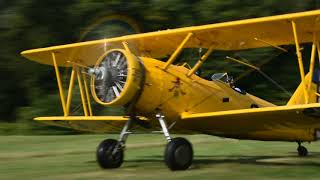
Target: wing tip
23,53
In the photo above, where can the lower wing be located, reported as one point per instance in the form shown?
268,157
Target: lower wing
257,119
100,124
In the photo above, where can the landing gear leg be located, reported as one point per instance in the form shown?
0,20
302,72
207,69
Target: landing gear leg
178,153
302,151
110,151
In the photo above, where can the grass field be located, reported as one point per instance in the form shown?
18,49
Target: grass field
73,157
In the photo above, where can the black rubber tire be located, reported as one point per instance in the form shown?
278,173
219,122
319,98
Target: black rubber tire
302,151
178,154
104,154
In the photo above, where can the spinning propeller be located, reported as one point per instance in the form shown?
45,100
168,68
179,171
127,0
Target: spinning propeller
116,77
111,75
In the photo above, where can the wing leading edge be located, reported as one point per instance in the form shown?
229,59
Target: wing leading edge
82,118
269,118
98,124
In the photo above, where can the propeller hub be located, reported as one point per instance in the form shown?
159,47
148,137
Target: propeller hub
113,75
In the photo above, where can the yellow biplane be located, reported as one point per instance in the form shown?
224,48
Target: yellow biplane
124,71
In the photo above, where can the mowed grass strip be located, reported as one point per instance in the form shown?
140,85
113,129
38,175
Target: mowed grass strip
73,157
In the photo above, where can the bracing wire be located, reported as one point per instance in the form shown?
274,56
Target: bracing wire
263,74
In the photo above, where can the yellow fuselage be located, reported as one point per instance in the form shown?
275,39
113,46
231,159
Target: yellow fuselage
172,93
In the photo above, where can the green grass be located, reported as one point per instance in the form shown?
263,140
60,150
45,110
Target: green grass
73,157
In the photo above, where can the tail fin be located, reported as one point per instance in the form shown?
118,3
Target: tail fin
312,90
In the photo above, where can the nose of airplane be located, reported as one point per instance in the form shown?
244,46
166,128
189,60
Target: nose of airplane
116,77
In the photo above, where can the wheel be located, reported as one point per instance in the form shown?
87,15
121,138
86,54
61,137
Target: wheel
302,151
105,158
178,154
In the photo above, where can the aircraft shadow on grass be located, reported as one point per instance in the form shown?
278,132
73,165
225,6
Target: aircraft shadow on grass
205,160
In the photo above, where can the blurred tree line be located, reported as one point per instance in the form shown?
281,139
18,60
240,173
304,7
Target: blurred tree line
29,89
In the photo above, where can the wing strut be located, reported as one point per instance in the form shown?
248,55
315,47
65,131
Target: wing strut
84,92
71,85
318,48
126,46
200,61
177,51
61,93
299,55
87,93
312,60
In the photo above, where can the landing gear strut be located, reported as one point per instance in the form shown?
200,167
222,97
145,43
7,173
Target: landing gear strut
178,153
110,151
302,151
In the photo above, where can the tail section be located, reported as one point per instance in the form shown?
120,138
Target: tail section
312,89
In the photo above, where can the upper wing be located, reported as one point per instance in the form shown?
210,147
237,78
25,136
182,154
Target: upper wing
235,35
279,117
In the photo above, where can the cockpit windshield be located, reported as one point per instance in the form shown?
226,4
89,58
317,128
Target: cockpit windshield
220,76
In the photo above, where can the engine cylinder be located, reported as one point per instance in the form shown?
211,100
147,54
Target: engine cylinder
116,78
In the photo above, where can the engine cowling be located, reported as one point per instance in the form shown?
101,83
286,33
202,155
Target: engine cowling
116,78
